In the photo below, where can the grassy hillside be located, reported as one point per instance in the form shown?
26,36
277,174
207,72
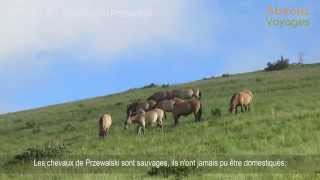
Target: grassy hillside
284,120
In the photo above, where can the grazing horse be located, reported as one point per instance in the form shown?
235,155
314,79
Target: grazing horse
187,107
105,122
136,106
143,118
187,93
155,117
242,99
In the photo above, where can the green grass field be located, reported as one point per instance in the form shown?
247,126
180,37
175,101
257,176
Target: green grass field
285,120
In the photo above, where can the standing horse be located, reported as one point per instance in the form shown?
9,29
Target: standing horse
168,104
187,107
105,122
143,118
242,99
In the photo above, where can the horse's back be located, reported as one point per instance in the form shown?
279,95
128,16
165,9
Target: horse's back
105,121
245,98
248,91
183,93
151,116
158,96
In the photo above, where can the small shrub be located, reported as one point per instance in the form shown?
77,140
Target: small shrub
30,124
259,79
18,120
152,85
89,111
216,112
80,105
178,171
69,127
208,78
36,129
278,65
225,75
118,104
165,85
49,150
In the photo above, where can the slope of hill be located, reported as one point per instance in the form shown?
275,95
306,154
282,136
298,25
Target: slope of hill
284,120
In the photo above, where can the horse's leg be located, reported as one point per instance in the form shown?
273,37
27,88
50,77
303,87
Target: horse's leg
176,118
143,128
103,133
236,109
198,115
161,126
138,130
248,107
241,108
195,116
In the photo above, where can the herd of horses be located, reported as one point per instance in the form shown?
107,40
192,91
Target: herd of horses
179,102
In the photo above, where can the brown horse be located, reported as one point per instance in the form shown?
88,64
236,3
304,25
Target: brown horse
105,122
168,104
187,107
242,99
186,93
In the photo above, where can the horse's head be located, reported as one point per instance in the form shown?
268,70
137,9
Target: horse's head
232,108
196,93
233,103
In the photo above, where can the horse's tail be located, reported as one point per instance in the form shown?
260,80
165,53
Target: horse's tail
200,94
165,115
200,112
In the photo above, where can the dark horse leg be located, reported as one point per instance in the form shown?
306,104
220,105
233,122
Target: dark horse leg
138,130
195,116
246,108
102,133
143,130
176,120
242,108
199,113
